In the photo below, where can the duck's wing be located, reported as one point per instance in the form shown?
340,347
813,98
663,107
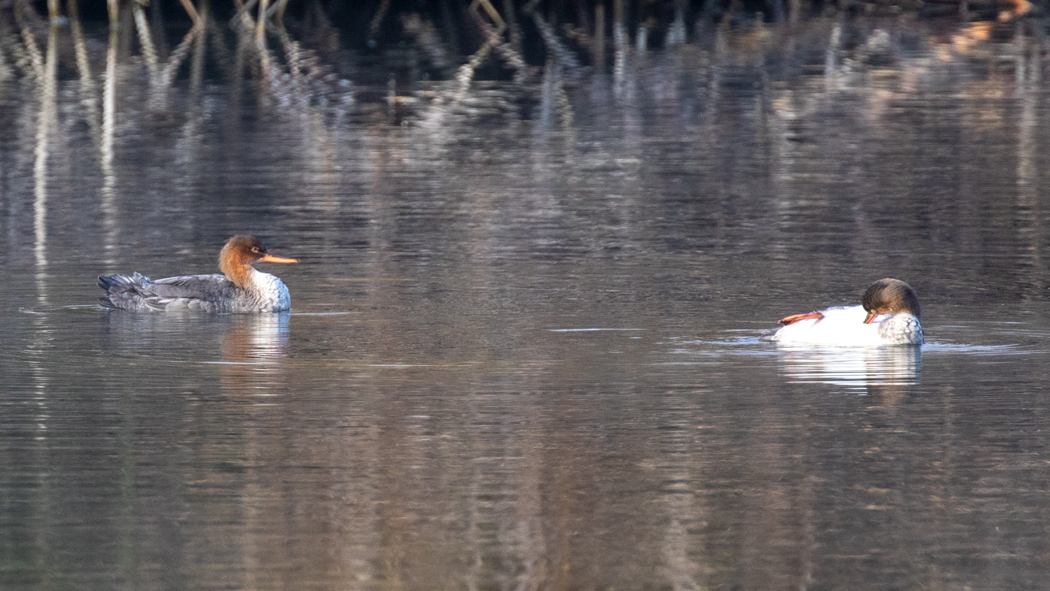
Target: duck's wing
189,292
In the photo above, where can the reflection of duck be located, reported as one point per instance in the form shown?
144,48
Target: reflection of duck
255,338
239,289
853,367
888,315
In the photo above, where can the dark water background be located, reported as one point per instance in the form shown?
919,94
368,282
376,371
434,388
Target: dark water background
526,347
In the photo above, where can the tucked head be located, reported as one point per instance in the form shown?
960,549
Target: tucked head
889,296
240,252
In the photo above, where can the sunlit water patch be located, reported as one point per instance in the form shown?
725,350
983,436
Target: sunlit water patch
594,329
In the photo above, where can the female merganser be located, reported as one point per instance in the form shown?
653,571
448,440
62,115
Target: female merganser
239,289
888,315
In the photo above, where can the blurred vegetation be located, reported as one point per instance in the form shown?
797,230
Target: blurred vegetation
310,52
447,29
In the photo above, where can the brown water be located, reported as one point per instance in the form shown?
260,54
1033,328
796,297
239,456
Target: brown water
528,353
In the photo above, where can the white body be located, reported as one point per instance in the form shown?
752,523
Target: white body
845,327
264,293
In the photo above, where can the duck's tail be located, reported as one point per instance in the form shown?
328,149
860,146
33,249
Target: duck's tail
124,292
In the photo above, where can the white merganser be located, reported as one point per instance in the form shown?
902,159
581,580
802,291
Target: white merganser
239,289
888,315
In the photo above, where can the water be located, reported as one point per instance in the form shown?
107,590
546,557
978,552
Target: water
529,354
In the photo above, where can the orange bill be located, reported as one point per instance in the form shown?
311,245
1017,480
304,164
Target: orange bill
797,317
272,259
871,316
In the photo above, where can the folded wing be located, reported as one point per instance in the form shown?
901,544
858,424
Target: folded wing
191,292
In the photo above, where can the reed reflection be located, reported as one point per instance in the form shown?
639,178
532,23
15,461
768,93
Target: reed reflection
47,118
108,204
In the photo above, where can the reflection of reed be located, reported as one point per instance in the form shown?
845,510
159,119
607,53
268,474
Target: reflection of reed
146,40
260,41
1029,77
704,78
191,128
110,223
293,75
681,505
129,20
46,120
201,24
88,91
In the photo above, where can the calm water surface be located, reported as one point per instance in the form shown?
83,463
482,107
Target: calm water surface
528,352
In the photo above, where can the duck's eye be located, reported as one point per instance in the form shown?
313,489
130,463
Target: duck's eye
255,249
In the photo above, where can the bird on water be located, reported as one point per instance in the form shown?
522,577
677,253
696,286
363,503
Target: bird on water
240,287
888,315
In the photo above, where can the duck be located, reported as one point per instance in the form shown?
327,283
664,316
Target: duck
240,287
888,315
